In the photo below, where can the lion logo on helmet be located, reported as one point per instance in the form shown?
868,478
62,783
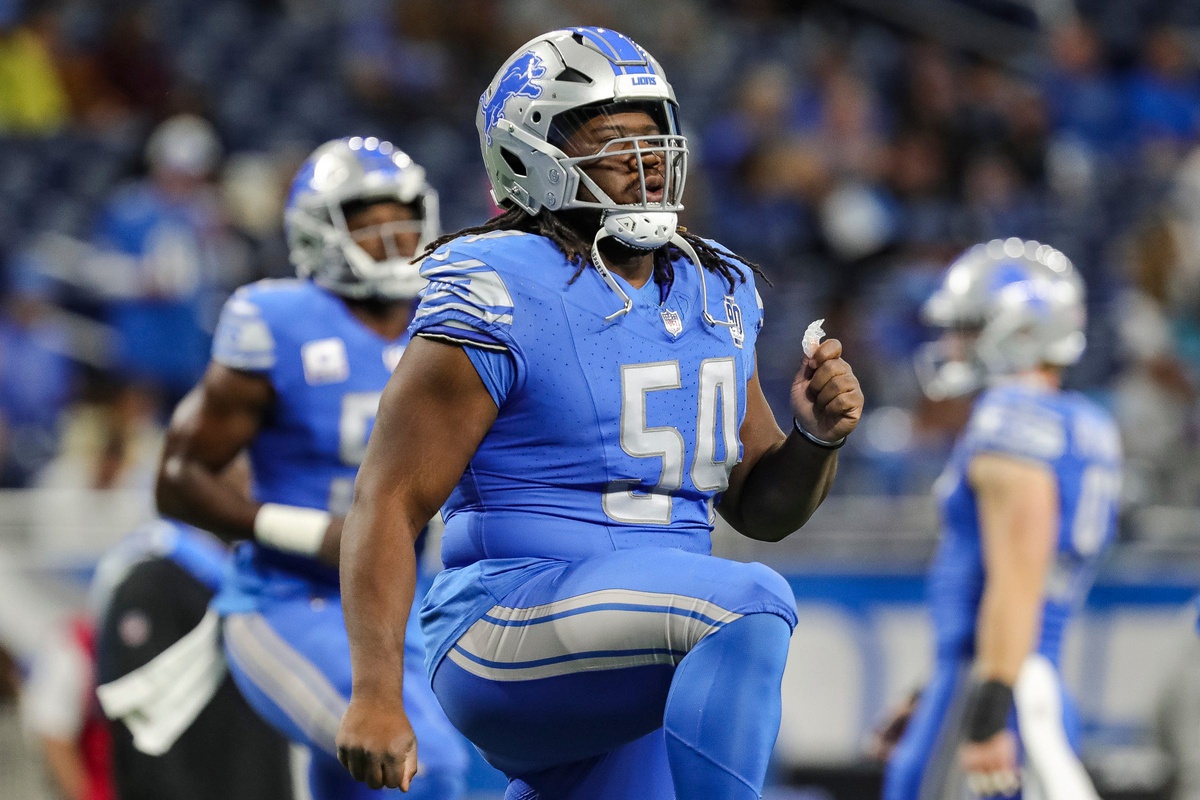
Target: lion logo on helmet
519,80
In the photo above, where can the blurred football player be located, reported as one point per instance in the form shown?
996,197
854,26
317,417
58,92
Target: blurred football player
1028,505
581,392
296,374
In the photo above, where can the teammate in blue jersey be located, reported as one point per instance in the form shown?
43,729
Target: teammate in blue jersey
581,394
296,374
1028,505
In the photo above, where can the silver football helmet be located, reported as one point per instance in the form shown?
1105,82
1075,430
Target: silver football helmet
546,91
1018,304
321,245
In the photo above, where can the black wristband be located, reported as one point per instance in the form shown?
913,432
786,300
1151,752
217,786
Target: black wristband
987,712
818,442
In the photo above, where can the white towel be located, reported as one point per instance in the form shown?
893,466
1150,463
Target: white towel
161,699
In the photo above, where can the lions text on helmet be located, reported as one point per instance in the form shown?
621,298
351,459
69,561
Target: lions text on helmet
1006,306
358,210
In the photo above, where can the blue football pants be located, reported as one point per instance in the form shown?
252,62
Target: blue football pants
645,674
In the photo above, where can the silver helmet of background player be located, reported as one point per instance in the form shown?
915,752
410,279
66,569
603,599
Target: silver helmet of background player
543,92
1019,305
321,246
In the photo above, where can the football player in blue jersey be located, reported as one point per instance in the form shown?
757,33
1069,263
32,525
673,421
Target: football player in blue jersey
1028,505
296,374
581,394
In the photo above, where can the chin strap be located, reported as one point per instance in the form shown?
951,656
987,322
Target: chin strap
690,252
598,263
627,304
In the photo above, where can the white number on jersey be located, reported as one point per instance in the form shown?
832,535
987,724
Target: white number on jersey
354,425
1098,490
358,412
717,407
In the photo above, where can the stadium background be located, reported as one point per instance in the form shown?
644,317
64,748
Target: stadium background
850,147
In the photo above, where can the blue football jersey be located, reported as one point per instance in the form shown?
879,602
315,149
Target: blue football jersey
1078,441
616,432
328,370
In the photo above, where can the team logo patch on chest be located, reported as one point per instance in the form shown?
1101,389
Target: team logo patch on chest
325,361
672,322
733,314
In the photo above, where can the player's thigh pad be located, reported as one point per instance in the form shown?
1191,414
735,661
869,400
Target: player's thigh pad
622,609
291,660
578,658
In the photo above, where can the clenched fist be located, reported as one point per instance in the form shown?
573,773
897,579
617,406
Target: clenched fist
376,743
826,398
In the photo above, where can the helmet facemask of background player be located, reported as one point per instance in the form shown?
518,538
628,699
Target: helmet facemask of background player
358,211
1006,307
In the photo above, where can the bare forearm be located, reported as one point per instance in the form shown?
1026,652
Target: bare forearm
1009,619
784,488
202,478
378,575
188,491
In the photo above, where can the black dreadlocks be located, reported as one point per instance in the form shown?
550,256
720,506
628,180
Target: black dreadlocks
579,252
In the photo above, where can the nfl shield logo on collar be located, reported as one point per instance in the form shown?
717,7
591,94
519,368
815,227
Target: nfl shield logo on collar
733,313
672,322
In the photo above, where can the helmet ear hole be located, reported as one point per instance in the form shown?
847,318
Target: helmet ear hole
514,162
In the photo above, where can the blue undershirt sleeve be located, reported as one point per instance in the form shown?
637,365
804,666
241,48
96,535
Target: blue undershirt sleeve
497,370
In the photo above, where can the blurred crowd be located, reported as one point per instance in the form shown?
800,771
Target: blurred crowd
145,149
